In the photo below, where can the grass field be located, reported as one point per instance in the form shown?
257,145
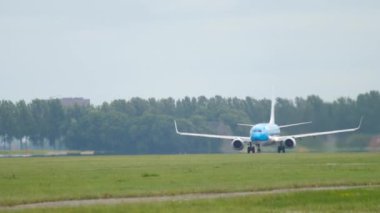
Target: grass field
28,180
358,200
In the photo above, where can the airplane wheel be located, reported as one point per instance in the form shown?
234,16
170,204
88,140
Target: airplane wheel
253,150
281,149
248,150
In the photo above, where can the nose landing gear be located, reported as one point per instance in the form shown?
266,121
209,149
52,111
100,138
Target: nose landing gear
251,148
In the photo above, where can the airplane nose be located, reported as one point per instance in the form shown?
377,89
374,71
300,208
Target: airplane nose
257,136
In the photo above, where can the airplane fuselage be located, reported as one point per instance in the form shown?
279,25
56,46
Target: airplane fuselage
260,133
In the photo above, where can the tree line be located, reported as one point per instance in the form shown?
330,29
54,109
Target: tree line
139,126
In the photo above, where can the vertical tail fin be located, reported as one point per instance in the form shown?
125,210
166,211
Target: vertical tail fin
273,103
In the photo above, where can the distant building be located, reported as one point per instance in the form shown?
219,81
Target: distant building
70,102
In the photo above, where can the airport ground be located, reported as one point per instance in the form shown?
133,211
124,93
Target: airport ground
36,180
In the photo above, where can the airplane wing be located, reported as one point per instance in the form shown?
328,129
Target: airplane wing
281,138
227,137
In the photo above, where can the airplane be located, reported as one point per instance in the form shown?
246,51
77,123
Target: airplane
266,134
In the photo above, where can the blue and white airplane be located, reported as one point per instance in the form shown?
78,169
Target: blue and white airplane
266,134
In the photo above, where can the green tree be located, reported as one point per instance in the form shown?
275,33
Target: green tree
55,118
8,123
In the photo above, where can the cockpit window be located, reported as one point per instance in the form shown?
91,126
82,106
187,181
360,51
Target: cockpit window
257,130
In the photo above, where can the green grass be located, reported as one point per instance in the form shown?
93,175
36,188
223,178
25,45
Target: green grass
27,180
355,200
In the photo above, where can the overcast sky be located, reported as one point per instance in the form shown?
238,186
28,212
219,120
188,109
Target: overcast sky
106,50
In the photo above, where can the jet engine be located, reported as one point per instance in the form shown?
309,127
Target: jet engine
290,143
237,144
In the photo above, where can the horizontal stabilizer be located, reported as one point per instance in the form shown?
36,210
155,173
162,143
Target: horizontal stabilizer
297,124
250,125
283,126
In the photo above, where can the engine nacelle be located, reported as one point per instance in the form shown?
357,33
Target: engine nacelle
290,143
237,144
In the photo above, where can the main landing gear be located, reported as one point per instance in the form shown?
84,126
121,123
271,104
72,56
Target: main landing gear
252,148
281,148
